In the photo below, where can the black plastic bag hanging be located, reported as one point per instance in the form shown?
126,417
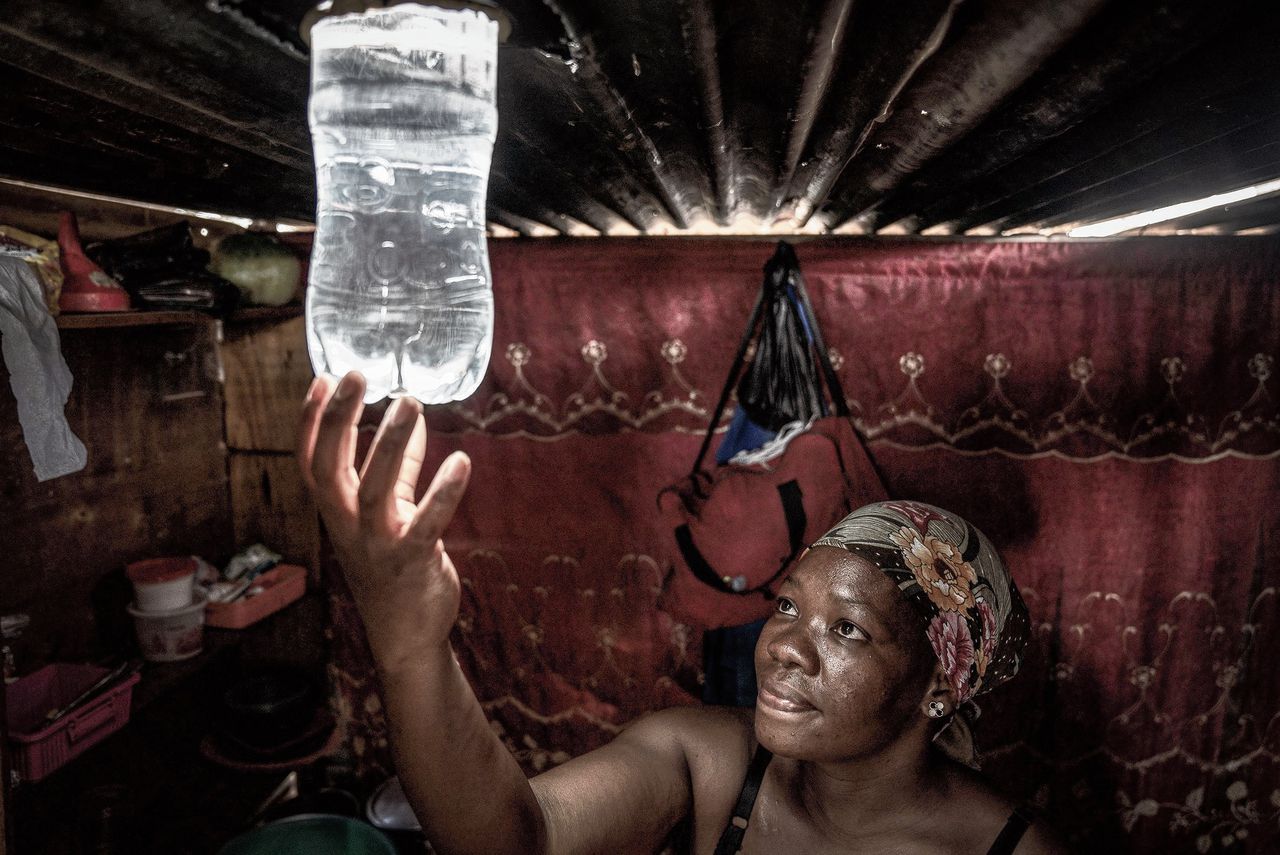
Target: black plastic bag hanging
782,384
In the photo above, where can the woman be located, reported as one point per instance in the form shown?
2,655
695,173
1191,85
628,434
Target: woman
886,627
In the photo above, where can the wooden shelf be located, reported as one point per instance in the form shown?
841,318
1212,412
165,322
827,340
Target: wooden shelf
267,313
109,320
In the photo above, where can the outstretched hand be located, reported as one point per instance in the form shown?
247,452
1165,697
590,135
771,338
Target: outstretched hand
388,542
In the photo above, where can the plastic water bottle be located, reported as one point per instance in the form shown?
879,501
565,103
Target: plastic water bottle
402,120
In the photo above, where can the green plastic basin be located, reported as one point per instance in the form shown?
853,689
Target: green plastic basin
311,835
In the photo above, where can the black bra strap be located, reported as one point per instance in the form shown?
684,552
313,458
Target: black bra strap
1012,832
731,838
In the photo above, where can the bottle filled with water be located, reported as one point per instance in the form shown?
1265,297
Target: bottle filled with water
402,120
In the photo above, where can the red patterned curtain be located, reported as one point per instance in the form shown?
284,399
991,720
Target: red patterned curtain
1104,411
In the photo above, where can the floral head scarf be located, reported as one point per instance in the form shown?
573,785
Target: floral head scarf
976,621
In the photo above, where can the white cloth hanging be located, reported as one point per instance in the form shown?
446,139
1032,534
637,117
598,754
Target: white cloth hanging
39,375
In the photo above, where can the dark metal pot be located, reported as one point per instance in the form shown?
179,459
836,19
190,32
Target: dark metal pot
269,708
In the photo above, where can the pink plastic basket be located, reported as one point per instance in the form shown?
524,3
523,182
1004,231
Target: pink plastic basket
40,749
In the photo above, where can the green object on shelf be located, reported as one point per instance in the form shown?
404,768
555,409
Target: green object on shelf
312,835
265,270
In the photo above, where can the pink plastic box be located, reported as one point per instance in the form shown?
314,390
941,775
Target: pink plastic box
281,585
39,749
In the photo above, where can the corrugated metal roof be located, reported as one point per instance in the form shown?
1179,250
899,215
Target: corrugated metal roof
618,116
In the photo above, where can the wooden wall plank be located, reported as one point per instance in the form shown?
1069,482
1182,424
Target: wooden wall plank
268,372
271,505
6,826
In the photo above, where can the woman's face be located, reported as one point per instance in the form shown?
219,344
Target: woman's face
842,665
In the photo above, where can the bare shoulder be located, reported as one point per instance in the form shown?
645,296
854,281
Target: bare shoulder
697,731
1039,840
974,795
629,794
714,744
981,814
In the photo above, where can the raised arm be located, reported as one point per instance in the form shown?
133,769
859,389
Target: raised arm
466,789
407,591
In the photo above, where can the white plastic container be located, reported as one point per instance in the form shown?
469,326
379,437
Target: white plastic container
162,584
170,636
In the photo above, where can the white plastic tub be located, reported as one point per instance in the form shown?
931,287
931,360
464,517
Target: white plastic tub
170,636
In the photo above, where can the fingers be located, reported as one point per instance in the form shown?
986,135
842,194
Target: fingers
335,444
411,467
390,472
382,495
441,500
309,424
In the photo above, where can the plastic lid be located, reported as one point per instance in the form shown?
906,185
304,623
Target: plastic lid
154,570
198,603
388,808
